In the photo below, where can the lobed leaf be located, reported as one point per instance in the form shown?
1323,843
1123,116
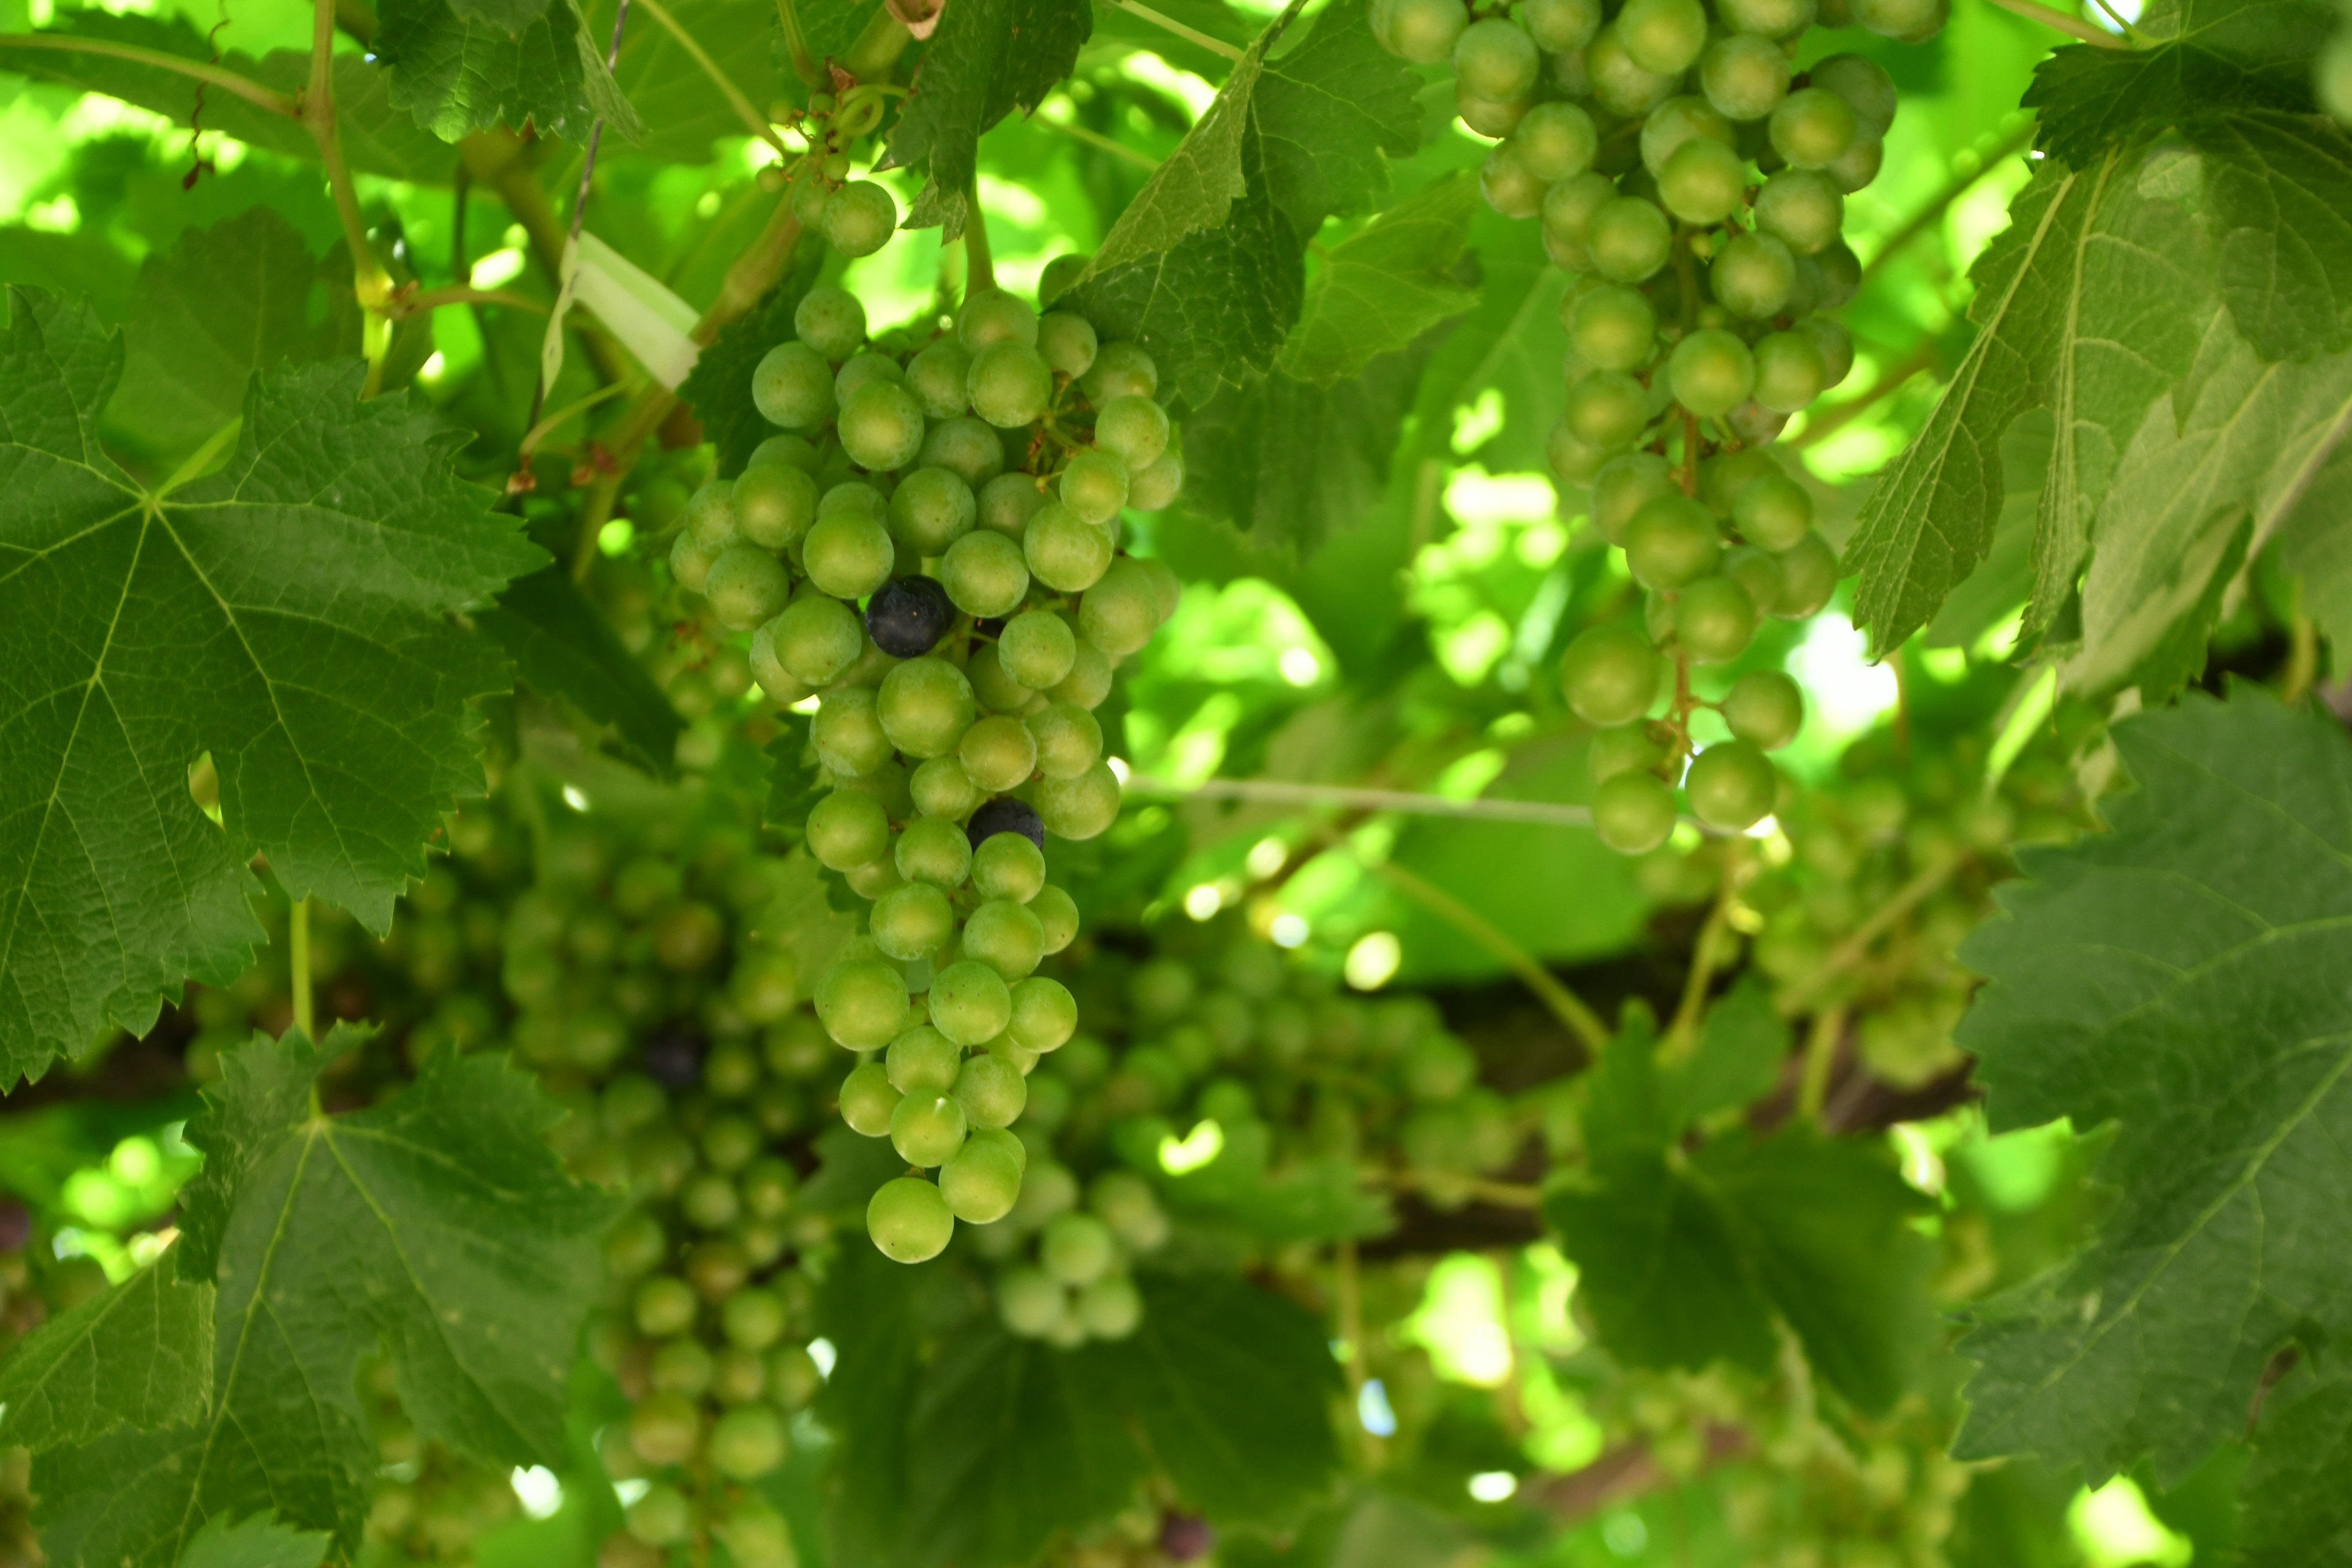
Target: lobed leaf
564,647
140,1355
456,76
1385,285
2280,190
987,58
257,1543
2296,1511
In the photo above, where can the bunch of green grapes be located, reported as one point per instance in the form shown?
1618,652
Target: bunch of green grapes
967,491
1693,181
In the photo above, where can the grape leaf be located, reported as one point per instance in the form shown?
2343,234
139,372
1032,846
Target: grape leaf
1738,1060
289,613
480,1256
719,388
1385,285
221,304
456,76
2280,188
2313,545
2296,1511
2180,976
987,58
257,1543
563,647
1511,344
669,89
510,17
1330,113
140,1355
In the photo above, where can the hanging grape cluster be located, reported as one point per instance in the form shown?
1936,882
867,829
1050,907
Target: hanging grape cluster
1694,182
966,491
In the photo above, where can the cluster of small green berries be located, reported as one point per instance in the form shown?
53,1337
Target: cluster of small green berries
855,218
968,489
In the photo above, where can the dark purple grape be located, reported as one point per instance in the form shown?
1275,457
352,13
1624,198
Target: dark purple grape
907,617
1183,1536
674,1055
1006,814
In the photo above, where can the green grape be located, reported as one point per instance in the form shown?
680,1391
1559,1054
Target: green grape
1510,185
768,1186
1840,275
1765,709
746,585
925,705
1572,461
1077,1249
922,1061
1044,1014
1157,483
1089,681
1703,182
931,509
1836,348
998,753
661,1517
1095,486
1133,430
1857,167
756,1536
992,316
990,1088
1752,276
1561,27
1010,385
831,320
980,1182
1609,675
913,919
665,1429
1756,572
1621,84
1789,372
1007,503
908,1220
1079,807
1556,141
881,426
1809,572
690,561
862,371
849,553
995,688
634,1246
847,733
664,1305
1623,487
861,1002
1711,372
1632,813
1568,209
1812,128
1493,117
1627,748
969,1003
867,1100
1732,785
1069,740
1006,937
1068,343
853,495
1612,328
1063,550
936,378
935,849
1629,238
1715,620
710,515
1120,370
817,639
1606,409
774,504
926,1128
1802,209
1676,121
874,879
1744,78
1905,21
681,1366
1008,865
792,387
1110,1307
1037,648
787,452
860,218
1767,19
939,787
985,574
1121,610
1671,542
1866,86
753,1319
1494,60
967,448
1029,1301
688,936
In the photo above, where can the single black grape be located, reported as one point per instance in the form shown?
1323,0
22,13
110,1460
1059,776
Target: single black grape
1005,814
907,617
1184,1536
674,1055
16,1225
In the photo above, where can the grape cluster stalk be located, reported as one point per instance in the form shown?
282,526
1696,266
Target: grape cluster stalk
1693,179
930,552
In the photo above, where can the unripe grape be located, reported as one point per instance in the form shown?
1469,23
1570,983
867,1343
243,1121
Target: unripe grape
787,452
922,1061
1095,486
881,426
1560,26
969,1003
1007,866
1121,610
1066,343
1767,19
746,585
1010,385
1808,574
1120,370
1632,813
940,787
664,1305
980,1184
862,371
1621,84
1614,328
1765,709
998,753
848,828
1057,912
1044,1015
1710,371
1676,121
1568,212
853,495
985,574
1703,182
1663,36
931,509
925,706
1610,675
1005,936
753,1319
1493,58
926,1128
1623,487
665,1428
710,515
908,1220
990,1089
1510,185
1605,409
1037,648
847,733
1089,681
690,561
1744,78
913,919
861,1002
1629,238
1157,482
1077,1249
792,387
1671,542
1572,461
774,505
1556,141
748,1442
1008,501
1732,785
1069,740
1840,275
990,317
1109,1307
816,638
996,689
1812,128
1625,749
964,447
1756,572
1715,620
1864,85
1029,1301
934,849
936,378
1836,348
849,553
1079,807
1789,372
1752,276
1857,167
1063,550
1133,430
867,1100
860,218
1905,21
1802,209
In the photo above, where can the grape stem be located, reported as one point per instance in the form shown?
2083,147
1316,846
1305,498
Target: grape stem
370,282
2072,27
1896,377
1706,956
1350,1309
1282,792
1923,885
1190,34
1563,1004
755,121
1821,1055
226,80
1503,1194
805,64
412,302
980,264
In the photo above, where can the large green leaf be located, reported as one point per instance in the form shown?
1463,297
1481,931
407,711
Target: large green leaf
2180,976
1510,346
289,613
2280,188
1385,285
563,647
436,1225
987,58
140,1355
2296,1509
669,89
257,1543
457,75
